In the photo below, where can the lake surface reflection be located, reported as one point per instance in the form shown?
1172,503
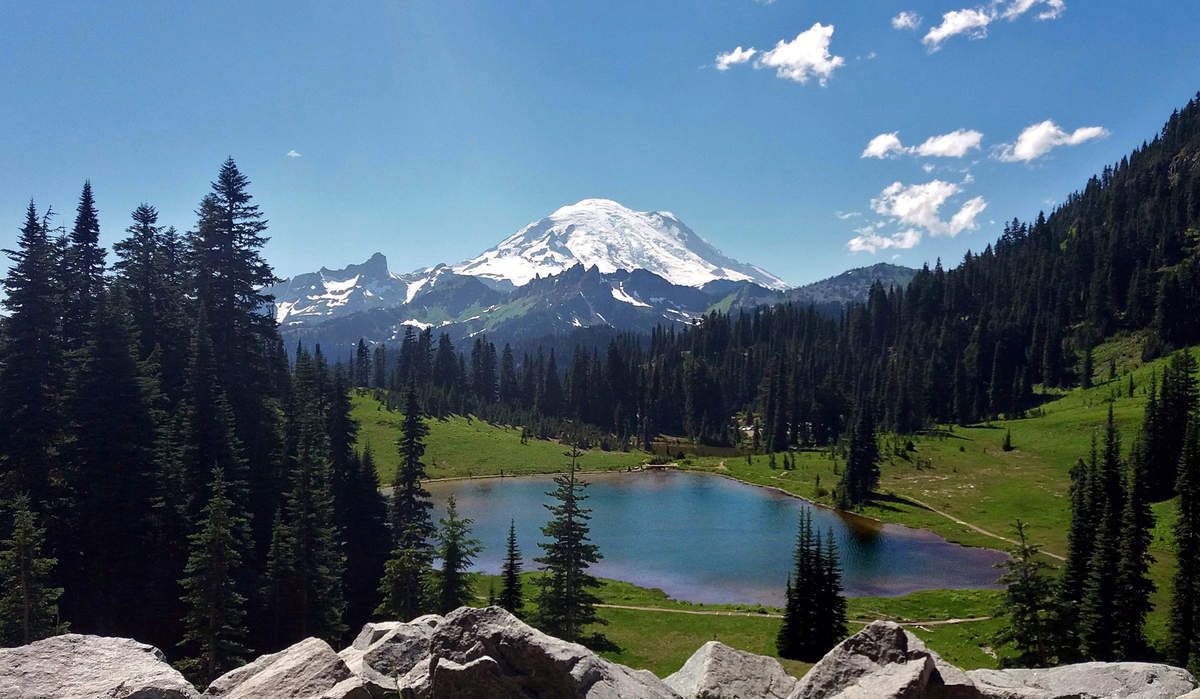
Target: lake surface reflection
709,539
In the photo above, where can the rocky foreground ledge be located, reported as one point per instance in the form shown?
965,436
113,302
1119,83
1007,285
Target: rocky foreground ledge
477,653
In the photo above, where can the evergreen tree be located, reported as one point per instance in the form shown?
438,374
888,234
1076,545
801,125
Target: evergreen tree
1134,586
814,617
1028,604
404,586
1184,625
111,474
457,549
511,596
1098,611
28,600
215,632
861,475
566,603
83,269
313,603
228,274
31,373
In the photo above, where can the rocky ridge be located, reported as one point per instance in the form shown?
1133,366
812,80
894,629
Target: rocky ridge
476,653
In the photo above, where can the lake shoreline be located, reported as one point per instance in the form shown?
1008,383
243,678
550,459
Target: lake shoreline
674,468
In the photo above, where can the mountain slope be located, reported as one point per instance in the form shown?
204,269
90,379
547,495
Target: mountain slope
610,237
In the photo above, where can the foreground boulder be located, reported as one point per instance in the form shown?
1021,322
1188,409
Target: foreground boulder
75,666
309,668
717,671
491,653
1086,681
385,651
883,661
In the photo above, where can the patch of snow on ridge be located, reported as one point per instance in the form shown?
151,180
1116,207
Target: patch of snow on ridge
336,287
619,293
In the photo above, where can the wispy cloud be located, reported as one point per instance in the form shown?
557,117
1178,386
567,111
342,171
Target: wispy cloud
734,57
973,22
799,60
294,154
847,215
920,205
955,144
906,20
872,242
1041,138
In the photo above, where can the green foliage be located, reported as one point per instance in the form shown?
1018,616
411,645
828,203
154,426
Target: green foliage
214,623
814,616
457,549
566,603
28,599
1029,604
511,596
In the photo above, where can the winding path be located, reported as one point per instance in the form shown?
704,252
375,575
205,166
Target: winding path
972,527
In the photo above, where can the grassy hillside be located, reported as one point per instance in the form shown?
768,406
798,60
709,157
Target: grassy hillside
958,482
463,447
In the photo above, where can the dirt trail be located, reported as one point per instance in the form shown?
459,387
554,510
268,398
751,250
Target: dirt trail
972,527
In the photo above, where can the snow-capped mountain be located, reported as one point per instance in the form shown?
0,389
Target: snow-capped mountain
604,234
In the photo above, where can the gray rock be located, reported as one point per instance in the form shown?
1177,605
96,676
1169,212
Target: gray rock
384,652
75,666
525,661
1085,681
306,669
349,688
716,671
881,661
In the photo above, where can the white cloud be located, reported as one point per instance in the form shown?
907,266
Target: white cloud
804,57
928,167
869,241
1039,139
734,57
973,21
294,154
883,146
955,144
919,205
1051,9
906,20
847,215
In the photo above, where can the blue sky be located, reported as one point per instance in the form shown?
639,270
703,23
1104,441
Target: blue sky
430,130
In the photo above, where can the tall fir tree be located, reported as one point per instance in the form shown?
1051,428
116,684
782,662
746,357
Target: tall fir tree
31,373
1097,617
1134,585
214,639
28,597
457,549
861,475
1183,644
84,271
1028,604
566,603
405,584
511,596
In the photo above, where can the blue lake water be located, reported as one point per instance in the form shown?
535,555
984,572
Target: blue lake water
710,539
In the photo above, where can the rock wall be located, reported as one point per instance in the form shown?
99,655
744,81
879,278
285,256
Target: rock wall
477,653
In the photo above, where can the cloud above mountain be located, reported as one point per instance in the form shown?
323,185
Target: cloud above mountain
801,59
